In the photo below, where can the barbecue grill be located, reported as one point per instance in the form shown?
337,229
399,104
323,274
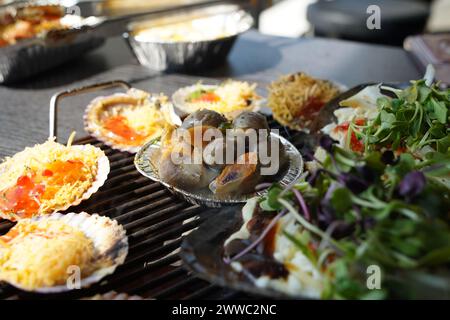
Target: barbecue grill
155,221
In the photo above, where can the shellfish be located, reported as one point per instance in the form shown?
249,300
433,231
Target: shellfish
126,121
50,177
57,253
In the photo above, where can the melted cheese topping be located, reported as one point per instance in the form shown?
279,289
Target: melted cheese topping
232,96
40,253
130,119
45,178
143,122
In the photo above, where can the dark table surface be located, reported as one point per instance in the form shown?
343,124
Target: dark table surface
255,57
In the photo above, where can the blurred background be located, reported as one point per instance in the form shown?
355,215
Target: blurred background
422,27
343,19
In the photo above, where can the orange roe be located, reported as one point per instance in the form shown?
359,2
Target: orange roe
119,126
25,196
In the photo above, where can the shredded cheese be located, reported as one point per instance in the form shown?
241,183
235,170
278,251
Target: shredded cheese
35,160
39,253
233,96
296,99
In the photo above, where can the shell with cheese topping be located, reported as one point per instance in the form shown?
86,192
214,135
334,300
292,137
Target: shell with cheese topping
57,253
229,98
50,177
126,121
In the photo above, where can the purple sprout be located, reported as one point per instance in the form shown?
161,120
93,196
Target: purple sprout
255,243
412,185
303,205
326,142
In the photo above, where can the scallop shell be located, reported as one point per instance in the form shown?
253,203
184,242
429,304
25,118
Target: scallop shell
103,169
95,107
110,245
183,109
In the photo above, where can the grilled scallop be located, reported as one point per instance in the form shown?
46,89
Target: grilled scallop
50,177
57,253
126,121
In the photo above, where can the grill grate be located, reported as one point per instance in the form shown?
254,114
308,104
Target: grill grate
155,221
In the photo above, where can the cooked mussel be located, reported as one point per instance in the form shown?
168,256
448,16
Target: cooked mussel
238,178
250,120
181,170
249,128
272,157
215,155
204,117
200,136
220,152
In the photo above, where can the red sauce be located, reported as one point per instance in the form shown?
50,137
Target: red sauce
311,108
25,196
269,241
355,144
119,126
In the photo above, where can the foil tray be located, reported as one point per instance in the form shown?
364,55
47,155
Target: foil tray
32,56
143,163
171,56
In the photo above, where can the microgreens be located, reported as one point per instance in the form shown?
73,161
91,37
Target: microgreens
358,210
418,117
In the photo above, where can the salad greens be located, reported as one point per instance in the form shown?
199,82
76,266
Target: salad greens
367,210
417,118
385,208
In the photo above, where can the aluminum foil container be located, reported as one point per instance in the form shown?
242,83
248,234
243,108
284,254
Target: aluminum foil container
32,56
144,160
171,55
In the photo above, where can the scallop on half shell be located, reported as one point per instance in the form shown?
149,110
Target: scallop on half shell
50,177
126,121
105,240
230,107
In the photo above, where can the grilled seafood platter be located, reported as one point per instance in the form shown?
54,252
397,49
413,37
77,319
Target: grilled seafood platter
42,254
126,121
211,160
376,196
297,99
229,98
50,177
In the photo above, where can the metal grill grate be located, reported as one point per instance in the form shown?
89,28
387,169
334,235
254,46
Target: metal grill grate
155,221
